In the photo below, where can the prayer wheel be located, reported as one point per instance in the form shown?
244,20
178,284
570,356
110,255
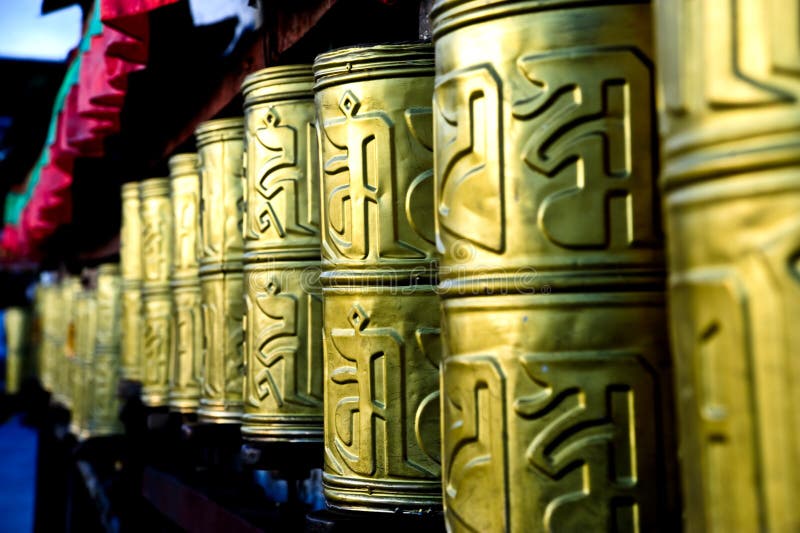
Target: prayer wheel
220,146
556,380
730,138
64,339
104,367
130,256
186,360
381,314
157,243
85,327
17,329
45,308
283,345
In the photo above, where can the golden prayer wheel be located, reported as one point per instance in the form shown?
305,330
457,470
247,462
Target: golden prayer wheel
64,339
157,243
556,381
186,359
381,315
731,139
103,402
283,346
17,330
85,327
220,146
130,255
45,307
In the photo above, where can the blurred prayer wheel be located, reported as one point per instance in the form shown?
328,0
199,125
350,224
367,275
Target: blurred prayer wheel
556,382
103,402
17,330
731,139
45,307
130,255
157,243
64,339
186,359
381,315
85,313
283,346
220,145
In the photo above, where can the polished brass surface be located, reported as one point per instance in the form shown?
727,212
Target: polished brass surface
220,146
45,307
283,352
556,378
283,348
16,323
102,400
282,168
186,357
157,244
374,108
64,339
130,254
731,139
82,378
382,354
223,366
381,316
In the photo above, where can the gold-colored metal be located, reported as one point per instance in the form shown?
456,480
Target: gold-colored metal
85,327
382,354
556,373
17,354
220,145
731,138
44,322
186,357
64,339
381,316
103,402
283,347
130,255
283,352
223,367
157,244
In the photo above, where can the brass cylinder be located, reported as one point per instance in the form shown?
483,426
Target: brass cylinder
220,146
130,256
381,315
186,358
556,383
103,401
17,331
45,307
64,339
731,133
85,327
283,348
157,243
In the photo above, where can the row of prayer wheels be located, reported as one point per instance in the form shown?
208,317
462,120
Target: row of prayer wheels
77,346
447,264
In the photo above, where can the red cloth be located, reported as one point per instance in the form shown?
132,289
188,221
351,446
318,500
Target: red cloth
91,112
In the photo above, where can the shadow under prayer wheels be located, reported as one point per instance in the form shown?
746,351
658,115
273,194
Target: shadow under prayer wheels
186,359
102,399
381,314
130,256
220,146
556,381
16,323
283,344
731,139
157,243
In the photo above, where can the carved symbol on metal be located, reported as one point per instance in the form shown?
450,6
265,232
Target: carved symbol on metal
469,129
586,422
213,352
280,177
376,358
155,252
155,346
473,425
186,223
589,112
362,218
278,355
